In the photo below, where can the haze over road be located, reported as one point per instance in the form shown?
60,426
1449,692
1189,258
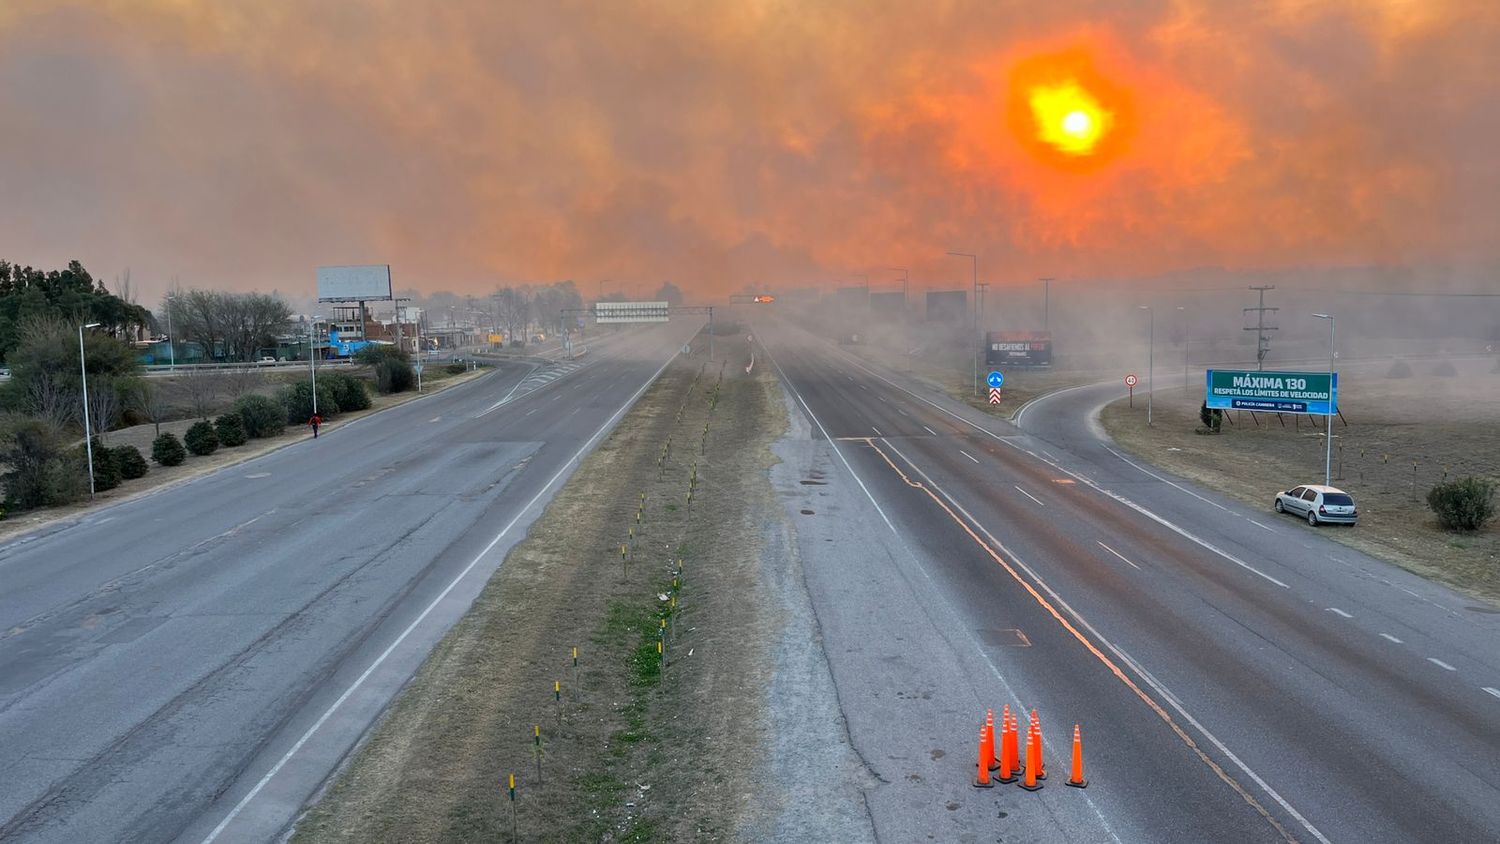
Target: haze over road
1238,677
160,656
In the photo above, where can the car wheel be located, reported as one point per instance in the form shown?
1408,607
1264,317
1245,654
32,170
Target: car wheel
1279,507
1312,518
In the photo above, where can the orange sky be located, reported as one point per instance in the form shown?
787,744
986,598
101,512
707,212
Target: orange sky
467,142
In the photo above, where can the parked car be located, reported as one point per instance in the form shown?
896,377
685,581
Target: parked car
266,359
1319,504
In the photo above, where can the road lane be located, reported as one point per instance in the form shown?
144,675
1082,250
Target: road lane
156,650
1319,710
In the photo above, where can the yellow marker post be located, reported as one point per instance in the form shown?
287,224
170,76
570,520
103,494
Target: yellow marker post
557,696
513,834
537,749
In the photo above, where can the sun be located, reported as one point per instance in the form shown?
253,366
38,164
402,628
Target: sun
1068,118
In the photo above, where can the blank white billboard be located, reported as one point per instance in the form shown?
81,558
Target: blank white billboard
354,284
605,312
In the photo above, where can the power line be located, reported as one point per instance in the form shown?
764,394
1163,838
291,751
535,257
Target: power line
1262,340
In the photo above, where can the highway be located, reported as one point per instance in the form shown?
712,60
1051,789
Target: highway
1238,677
191,664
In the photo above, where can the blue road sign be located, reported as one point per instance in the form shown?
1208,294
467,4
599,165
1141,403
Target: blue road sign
996,379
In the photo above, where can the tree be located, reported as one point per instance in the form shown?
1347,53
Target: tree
105,403
262,416
231,430
70,296
106,469
201,438
229,326
202,389
513,311
45,379
348,391
297,399
393,372
669,293
39,471
132,464
151,401
167,450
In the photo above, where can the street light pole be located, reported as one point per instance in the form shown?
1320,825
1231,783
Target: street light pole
973,309
171,338
1328,420
1150,364
88,435
1046,304
312,360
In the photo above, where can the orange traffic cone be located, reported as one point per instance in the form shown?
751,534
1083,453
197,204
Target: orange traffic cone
1008,761
989,739
1041,755
982,774
1033,757
1077,780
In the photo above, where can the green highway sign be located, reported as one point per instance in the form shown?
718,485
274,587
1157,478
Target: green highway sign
1314,393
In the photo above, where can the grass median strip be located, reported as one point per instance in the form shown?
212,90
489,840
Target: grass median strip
672,650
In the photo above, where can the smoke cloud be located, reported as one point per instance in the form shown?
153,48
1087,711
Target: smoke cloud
720,145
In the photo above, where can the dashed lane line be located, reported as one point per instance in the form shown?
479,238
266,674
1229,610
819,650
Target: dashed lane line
968,455
1029,495
1390,638
1337,611
1493,691
1440,664
929,430
1121,556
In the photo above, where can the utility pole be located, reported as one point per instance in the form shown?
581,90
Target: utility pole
398,320
1046,304
974,310
1262,340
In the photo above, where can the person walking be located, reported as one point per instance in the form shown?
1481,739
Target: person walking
315,422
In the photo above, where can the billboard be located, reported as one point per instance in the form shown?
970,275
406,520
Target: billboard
607,312
1018,348
1315,393
354,284
947,305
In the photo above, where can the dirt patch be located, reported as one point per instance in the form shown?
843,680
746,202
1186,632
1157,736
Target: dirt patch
1401,437
638,748
160,476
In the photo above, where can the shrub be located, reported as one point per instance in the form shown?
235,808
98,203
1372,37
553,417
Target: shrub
350,392
1212,418
231,430
393,372
167,450
261,416
1444,369
456,368
106,470
132,464
297,404
201,438
1464,504
40,472
1399,369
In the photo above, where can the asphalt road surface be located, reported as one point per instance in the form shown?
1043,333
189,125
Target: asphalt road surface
1238,676
192,664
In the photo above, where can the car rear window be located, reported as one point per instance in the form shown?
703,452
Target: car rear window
1338,499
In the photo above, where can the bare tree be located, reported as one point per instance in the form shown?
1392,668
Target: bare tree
241,380
514,309
152,402
201,389
52,397
104,404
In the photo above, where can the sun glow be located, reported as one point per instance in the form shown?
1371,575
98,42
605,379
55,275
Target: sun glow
1068,118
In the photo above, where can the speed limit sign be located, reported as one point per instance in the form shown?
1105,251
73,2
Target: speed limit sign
1131,380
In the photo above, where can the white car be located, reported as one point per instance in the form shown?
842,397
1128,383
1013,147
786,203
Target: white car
1319,504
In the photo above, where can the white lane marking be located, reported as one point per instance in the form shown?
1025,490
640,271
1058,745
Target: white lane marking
1261,526
512,391
902,412
1493,691
558,396
1167,482
434,419
1016,420
1389,637
1440,664
1340,612
1132,565
529,412
334,707
863,387
1084,479
1151,681
968,455
929,430
875,429
1029,495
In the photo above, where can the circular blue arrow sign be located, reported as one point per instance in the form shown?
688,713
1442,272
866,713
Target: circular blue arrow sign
996,380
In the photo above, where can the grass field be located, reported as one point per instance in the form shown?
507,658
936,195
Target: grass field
1403,434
